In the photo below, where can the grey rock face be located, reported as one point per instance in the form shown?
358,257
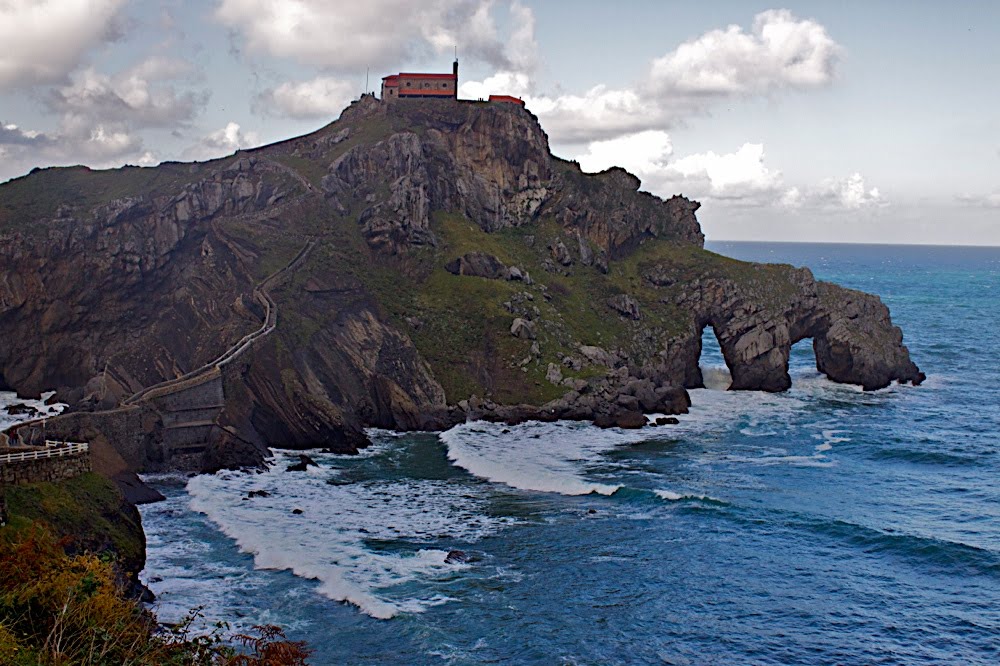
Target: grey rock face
625,305
598,356
560,253
758,322
523,328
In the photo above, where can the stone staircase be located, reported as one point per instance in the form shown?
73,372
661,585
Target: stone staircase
189,405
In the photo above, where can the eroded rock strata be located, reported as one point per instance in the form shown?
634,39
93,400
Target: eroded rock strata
408,266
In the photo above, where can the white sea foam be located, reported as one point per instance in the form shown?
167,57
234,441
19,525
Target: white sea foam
8,398
774,458
716,378
182,572
564,457
830,437
768,415
547,457
355,539
671,496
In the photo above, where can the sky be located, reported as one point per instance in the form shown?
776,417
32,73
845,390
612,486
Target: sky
852,121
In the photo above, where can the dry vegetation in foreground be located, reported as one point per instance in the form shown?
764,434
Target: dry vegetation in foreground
58,609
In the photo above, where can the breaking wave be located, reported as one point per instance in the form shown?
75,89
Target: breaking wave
361,541
545,457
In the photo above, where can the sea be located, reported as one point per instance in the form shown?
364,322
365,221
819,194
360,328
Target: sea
823,525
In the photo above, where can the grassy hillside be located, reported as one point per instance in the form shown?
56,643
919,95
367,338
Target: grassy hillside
88,512
63,600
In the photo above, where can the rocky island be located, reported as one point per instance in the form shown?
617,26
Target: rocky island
408,266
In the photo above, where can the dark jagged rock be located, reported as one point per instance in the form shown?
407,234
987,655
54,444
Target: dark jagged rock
357,233
631,419
456,557
304,463
135,491
479,264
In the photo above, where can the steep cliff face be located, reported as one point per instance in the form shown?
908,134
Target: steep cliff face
144,277
408,266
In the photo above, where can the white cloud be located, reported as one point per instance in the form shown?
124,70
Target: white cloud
320,97
521,48
12,135
99,116
740,178
43,40
600,113
643,154
501,83
376,33
222,142
850,193
981,200
148,159
76,142
108,143
738,175
141,96
791,199
781,51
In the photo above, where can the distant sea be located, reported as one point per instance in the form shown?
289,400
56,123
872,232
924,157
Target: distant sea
822,525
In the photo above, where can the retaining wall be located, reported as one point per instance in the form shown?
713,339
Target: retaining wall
44,469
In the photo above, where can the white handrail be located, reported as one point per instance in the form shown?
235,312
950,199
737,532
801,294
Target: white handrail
52,450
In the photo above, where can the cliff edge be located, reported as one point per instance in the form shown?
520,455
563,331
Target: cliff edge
408,266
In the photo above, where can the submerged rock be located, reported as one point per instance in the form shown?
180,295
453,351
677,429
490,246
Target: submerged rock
456,557
21,409
302,465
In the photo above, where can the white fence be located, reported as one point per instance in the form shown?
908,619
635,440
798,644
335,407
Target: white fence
51,450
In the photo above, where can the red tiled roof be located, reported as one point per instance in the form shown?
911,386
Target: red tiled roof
507,98
412,75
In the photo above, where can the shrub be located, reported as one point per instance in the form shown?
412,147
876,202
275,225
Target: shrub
58,609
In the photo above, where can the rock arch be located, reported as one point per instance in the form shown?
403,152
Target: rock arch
758,321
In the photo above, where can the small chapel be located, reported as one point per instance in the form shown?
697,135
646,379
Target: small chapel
417,85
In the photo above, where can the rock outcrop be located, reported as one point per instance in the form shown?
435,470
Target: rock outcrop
409,266
756,325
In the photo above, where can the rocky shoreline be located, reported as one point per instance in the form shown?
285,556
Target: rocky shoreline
409,267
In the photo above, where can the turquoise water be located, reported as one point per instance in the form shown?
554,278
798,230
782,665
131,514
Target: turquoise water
822,525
